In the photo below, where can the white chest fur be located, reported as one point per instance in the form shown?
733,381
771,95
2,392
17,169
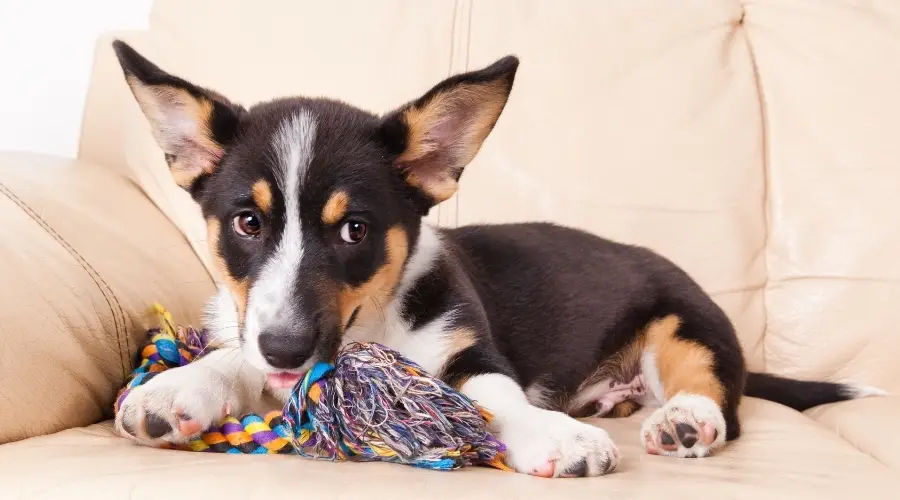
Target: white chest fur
428,345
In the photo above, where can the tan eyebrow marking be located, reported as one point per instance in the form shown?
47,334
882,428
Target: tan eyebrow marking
262,195
336,208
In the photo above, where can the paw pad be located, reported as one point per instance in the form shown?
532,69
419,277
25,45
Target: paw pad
686,434
156,426
688,426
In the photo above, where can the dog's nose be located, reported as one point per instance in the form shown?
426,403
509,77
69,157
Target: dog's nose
284,350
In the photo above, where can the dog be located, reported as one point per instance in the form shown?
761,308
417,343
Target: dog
315,223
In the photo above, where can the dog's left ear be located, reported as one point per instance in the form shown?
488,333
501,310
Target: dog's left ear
437,135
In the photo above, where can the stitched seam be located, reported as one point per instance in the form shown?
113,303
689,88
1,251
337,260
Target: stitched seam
439,207
452,38
469,33
767,198
118,313
468,46
460,33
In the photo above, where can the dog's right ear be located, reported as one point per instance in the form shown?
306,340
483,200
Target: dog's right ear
192,125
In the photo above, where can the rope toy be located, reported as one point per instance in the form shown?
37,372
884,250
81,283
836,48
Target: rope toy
371,404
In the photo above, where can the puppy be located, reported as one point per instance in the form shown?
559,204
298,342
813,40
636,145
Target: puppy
314,210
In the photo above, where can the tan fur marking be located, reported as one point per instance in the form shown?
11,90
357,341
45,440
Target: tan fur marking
239,288
457,341
460,339
335,208
684,365
441,183
376,292
623,409
262,195
195,154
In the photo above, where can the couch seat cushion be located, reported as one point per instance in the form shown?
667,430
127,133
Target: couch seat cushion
869,424
783,454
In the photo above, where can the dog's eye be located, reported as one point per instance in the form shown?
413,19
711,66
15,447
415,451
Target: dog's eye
353,231
247,224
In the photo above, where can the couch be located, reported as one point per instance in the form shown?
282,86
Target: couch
756,143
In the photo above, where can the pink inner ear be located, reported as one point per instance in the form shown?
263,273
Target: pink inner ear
446,142
446,131
432,167
190,152
201,158
451,127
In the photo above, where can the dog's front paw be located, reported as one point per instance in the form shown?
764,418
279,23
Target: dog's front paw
551,444
687,426
174,406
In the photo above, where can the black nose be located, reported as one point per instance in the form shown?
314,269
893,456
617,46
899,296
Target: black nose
284,350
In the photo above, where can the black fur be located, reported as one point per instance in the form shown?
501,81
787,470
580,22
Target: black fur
429,296
798,394
558,301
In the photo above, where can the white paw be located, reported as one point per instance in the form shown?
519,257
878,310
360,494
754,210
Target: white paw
551,444
175,405
687,426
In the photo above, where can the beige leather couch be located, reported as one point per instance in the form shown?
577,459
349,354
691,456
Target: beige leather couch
756,143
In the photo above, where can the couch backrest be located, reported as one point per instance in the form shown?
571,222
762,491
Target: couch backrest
752,143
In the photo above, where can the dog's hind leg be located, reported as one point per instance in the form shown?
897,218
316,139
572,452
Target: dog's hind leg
693,366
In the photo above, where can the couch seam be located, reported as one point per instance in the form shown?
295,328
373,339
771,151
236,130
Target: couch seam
449,72
104,287
459,39
767,201
468,46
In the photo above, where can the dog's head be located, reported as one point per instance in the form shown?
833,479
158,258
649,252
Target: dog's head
313,206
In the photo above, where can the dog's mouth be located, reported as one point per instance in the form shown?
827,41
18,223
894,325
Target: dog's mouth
284,380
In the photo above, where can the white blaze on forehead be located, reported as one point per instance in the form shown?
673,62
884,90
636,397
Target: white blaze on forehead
271,298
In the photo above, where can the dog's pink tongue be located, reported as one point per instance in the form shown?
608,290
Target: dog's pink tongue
283,380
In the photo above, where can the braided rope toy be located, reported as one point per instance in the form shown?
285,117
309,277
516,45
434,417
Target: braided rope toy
372,404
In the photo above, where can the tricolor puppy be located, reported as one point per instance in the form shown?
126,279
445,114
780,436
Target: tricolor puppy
315,211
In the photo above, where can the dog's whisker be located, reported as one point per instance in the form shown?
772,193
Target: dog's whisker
219,344
383,316
223,329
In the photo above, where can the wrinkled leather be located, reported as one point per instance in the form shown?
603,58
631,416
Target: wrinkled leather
84,257
829,74
753,143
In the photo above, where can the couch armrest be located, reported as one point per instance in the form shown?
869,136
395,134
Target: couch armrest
869,424
85,254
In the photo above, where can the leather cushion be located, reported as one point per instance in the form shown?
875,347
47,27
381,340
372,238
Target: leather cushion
85,254
828,76
869,424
